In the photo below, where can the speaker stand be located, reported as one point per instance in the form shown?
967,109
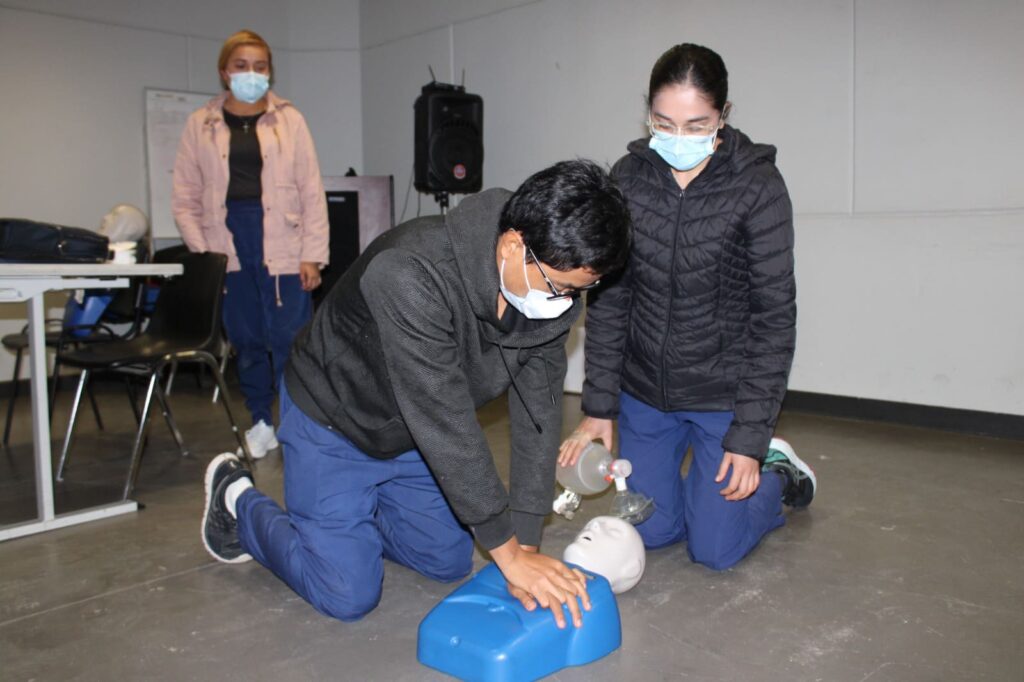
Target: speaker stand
442,200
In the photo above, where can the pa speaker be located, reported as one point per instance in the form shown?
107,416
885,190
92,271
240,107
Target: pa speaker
449,140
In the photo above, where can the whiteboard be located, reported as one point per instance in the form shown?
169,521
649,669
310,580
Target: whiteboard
166,114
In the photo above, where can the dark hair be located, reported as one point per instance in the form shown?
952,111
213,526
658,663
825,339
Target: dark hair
572,215
695,65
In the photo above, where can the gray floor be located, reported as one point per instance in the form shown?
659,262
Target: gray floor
909,566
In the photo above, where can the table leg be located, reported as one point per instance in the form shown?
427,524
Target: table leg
40,407
32,288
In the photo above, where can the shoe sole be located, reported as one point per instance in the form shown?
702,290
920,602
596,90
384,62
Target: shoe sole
787,449
211,468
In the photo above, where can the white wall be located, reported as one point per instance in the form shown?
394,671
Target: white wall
73,74
893,123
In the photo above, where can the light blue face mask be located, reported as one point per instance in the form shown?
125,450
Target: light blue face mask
683,152
249,86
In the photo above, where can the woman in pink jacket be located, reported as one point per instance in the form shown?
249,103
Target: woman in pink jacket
247,184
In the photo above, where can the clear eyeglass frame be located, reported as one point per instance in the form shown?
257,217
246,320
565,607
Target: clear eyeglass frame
665,129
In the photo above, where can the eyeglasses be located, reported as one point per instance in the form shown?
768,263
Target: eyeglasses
571,292
690,129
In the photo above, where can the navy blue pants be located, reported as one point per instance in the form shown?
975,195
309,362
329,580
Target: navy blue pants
259,327
718,532
348,511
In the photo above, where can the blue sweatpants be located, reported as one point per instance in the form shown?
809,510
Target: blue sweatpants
260,329
348,511
718,532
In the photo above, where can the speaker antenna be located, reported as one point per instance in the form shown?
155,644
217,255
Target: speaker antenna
433,78
463,79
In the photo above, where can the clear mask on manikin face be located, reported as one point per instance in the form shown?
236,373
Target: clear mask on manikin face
610,547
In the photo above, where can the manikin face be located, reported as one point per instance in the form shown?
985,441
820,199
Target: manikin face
124,223
609,547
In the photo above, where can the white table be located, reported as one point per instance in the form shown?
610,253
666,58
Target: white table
29,282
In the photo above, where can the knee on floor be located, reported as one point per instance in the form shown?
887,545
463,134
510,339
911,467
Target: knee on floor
712,553
348,604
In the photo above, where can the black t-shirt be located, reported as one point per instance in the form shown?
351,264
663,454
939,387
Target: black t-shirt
245,163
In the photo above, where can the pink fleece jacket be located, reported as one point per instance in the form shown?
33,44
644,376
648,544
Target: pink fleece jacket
295,226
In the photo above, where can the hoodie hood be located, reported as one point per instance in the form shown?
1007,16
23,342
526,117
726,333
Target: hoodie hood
473,228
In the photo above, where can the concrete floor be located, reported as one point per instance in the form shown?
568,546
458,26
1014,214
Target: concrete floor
908,566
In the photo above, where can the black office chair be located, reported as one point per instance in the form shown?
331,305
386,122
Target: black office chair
59,334
184,327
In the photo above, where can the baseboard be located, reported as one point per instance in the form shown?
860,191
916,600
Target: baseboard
973,422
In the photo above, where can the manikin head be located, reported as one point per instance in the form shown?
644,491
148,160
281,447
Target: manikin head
609,547
124,223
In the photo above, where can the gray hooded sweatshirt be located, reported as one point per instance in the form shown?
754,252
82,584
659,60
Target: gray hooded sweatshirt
407,345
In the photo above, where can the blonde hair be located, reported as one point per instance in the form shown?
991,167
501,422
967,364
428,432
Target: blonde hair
243,37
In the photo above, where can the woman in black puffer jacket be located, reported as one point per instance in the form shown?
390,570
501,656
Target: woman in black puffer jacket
692,345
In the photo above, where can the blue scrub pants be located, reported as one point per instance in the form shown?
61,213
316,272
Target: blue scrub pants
718,532
348,511
260,329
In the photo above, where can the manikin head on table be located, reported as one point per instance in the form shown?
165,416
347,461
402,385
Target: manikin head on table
124,223
610,547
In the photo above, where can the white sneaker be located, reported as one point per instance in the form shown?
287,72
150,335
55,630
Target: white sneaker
261,439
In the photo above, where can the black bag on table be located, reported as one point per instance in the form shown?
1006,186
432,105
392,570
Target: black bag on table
28,241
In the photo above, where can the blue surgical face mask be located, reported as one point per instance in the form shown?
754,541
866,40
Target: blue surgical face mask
683,152
249,86
535,305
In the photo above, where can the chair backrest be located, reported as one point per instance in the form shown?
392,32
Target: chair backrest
188,306
170,254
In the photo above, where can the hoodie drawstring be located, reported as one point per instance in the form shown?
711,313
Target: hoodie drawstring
277,289
529,412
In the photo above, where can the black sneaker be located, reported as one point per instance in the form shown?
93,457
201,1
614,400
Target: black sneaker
220,528
801,483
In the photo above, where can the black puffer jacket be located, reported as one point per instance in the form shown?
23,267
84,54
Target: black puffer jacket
704,316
